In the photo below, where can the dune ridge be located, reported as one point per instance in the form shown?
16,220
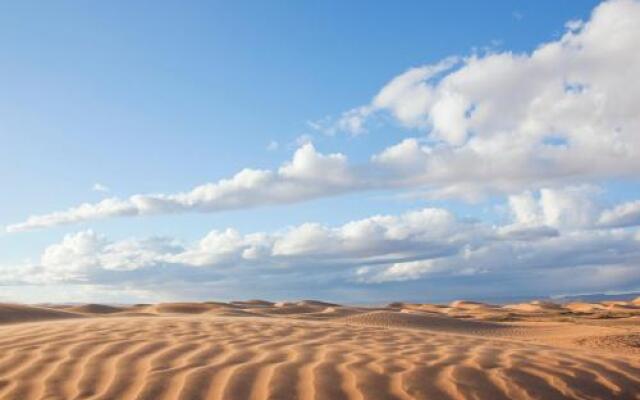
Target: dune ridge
315,350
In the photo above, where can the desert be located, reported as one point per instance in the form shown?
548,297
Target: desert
315,350
319,200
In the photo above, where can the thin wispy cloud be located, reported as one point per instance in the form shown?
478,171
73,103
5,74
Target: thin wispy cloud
98,187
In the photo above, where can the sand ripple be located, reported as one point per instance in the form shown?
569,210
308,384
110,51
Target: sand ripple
207,356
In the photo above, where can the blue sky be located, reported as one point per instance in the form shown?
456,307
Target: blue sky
158,99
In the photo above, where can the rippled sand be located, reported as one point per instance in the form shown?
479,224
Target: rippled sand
315,350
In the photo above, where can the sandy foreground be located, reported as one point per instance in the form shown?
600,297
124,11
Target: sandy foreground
315,350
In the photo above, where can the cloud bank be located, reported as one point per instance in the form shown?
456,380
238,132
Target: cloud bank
552,234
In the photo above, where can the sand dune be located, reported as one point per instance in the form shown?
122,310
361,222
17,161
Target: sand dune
421,321
536,306
11,313
182,308
585,307
95,309
315,350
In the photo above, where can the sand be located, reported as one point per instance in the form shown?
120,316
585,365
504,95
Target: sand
318,350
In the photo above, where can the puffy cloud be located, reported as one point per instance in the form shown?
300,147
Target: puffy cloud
568,207
89,257
80,255
310,166
627,214
407,96
415,234
525,208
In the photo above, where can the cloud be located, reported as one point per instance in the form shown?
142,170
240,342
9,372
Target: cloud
623,215
430,246
572,206
98,187
88,257
565,114
308,175
351,121
409,95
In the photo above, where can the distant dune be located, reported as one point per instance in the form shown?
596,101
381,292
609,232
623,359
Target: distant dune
95,309
316,350
12,313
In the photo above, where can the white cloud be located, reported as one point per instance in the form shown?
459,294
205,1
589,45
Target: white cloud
308,175
627,214
352,121
525,209
397,272
403,158
408,96
568,207
81,254
98,187
310,166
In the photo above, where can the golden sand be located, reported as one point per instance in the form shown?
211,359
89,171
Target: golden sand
316,350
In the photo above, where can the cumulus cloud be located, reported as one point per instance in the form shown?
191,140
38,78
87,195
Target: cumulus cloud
569,208
428,246
573,206
567,113
90,258
623,215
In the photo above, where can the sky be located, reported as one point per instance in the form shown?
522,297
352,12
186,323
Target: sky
348,151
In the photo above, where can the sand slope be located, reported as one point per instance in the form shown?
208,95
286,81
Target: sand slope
215,351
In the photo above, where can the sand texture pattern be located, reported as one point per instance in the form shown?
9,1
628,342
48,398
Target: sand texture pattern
315,350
